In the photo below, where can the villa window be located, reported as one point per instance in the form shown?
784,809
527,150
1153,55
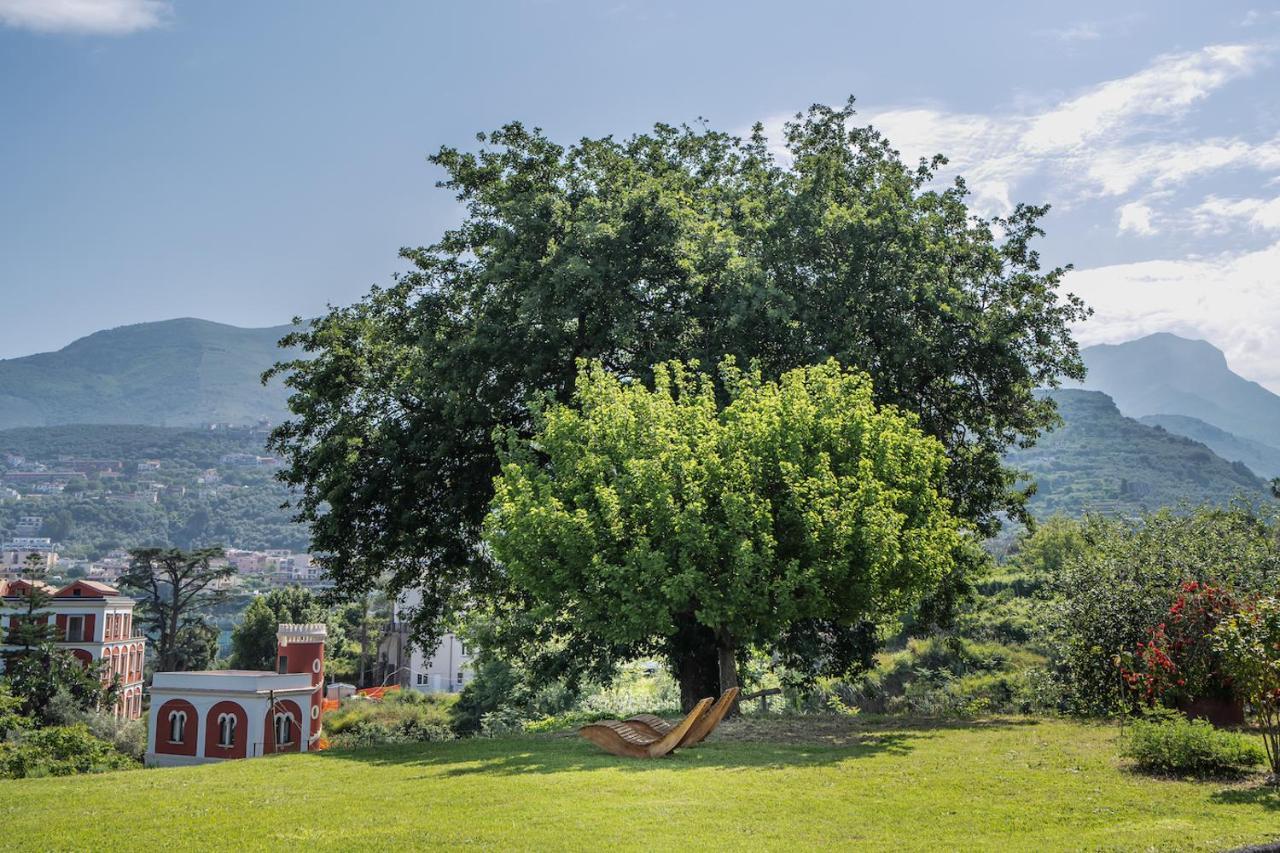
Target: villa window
284,730
226,730
282,665
75,629
177,726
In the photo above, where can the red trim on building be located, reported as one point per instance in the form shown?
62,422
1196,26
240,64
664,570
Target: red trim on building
213,731
191,731
298,731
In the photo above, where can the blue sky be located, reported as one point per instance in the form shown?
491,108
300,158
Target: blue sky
249,161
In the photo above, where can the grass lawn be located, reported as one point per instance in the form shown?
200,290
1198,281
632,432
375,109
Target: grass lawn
1006,784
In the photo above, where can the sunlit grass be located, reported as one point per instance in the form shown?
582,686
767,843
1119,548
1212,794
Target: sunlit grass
1006,784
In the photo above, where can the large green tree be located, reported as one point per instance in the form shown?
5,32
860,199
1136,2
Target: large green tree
175,588
253,639
797,513
681,243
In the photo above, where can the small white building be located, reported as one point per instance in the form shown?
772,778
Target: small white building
199,717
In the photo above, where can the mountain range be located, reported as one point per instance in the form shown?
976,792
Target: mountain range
1186,387
183,372
1158,420
1099,460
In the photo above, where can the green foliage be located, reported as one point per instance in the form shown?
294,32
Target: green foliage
1174,744
58,751
195,646
1104,603
797,518
678,244
174,588
253,640
939,676
1101,461
177,372
49,680
242,511
1249,643
404,716
127,737
12,719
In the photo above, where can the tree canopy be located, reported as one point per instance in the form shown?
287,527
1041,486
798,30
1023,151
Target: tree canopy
677,244
798,519
174,587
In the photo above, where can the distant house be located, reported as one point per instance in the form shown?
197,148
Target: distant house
444,669
239,460
148,465
15,553
95,623
28,525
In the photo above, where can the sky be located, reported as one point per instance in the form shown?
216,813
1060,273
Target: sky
247,162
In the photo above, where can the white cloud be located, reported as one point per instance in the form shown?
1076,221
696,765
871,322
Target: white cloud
1117,137
1135,218
1217,215
1230,300
1084,31
106,17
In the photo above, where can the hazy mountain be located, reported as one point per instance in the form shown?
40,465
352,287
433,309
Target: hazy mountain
1101,460
1262,459
172,373
1164,374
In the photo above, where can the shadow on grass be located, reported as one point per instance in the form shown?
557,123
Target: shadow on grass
743,744
1267,796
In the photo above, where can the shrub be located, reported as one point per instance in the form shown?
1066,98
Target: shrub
402,717
1174,744
1249,642
127,737
59,751
1105,600
1178,659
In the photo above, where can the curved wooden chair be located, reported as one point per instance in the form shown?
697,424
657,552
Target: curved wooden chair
630,742
658,727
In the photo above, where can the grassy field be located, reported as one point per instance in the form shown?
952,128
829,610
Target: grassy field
1007,784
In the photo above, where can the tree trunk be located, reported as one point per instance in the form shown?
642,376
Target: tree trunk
728,666
695,661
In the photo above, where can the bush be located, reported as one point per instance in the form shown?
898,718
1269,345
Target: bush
1174,744
127,737
59,751
406,716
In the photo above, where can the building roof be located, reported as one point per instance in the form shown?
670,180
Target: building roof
10,589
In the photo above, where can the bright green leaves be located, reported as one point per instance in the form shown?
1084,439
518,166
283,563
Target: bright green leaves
797,500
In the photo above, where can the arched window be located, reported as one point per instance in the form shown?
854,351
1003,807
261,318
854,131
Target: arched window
226,730
284,729
177,726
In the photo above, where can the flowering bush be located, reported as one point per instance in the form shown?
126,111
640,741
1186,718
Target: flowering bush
1249,645
1178,660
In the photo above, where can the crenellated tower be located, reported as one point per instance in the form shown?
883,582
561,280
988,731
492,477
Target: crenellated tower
300,648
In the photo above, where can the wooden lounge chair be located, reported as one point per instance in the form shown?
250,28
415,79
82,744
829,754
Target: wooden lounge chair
658,727
629,742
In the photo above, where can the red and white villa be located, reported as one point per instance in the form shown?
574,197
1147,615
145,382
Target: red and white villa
95,623
199,717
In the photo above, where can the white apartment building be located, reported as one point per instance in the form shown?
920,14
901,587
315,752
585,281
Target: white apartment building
444,669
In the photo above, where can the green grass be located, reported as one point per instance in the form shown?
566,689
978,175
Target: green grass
1006,784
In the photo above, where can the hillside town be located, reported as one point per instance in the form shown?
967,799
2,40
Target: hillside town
634,426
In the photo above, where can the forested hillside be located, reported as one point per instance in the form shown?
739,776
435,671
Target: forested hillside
1100,460
173,373
185,493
